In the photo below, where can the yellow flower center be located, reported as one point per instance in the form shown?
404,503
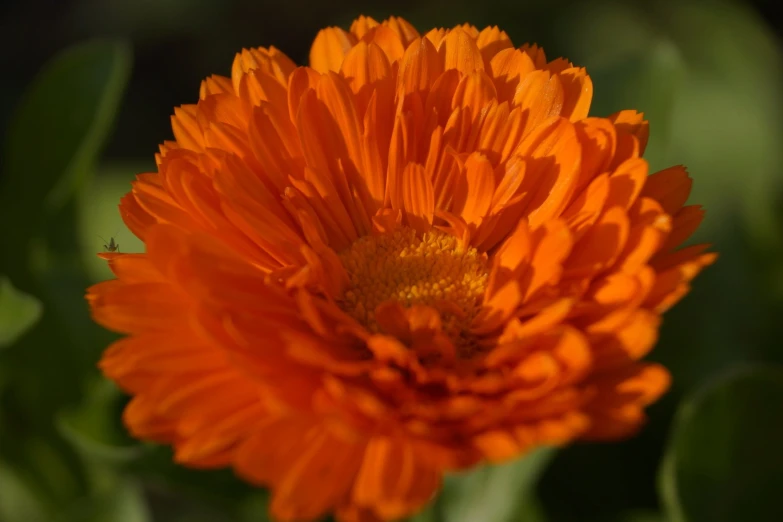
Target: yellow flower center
433,269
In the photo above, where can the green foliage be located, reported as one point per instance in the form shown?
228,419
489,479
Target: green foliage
18,503
724,459
52,146
494,493
497,493
709,80
54,140
99,217
18,312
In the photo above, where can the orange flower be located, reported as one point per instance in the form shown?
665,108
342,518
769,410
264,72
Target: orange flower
414,256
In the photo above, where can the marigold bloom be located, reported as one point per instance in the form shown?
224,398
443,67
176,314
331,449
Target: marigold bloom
416,255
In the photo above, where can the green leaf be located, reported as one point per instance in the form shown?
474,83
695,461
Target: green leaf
18,503
54,138
699,75
634,64
123,502
100,218
255,508
721,117
52,145
18,312
499,493
92,428
724,459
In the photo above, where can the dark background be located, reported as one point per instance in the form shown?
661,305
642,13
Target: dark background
178,42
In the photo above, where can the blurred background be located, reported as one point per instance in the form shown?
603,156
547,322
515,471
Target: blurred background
78,122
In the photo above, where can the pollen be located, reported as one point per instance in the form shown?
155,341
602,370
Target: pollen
433,269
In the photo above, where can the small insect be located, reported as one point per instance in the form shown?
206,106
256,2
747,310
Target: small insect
110,246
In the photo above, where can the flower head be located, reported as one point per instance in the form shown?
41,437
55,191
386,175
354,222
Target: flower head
414,256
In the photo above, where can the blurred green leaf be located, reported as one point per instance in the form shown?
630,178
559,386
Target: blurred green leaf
68,110
18,503
55,136
497,493
44,467
633,62
431,513
724,459
91,427
124,502
708,77
52,145
255,508
99,216
18,312
184,494
709,81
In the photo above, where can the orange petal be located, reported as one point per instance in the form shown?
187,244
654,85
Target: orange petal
338,99
275,143
300,492
556,157
514,251
216,84
420,67
301,81
475,91
459,51
494,131
394,481
684,225
669,187
137,308
136,218
403,28
577,93
600,246
585,209
512,254
536,53
187,131
497,309
329,48
362,26
473,193
271,61
616,411
440,95
418,199
388,40
552,244
647,234
386,220
287,454
626,183
393,320
257,86
598,139
508,67
490,41
541,94
671,284
365,64
632,123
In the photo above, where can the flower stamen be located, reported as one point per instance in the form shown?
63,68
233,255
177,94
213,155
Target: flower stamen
433,269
